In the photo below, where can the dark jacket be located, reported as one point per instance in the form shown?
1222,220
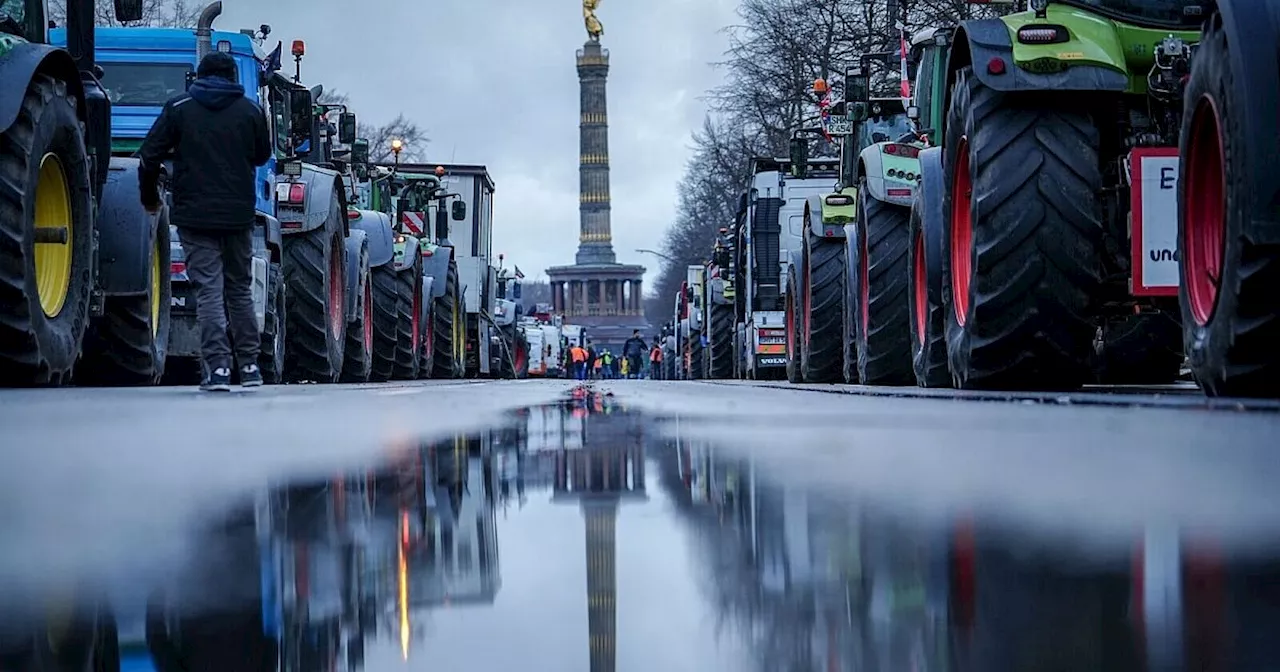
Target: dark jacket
217,138
634,347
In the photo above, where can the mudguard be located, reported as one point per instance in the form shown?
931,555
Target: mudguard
322,184
978,42
716,290
24,60
1253,29
428,284
436,265
382,242
271,234
932,218
888,189
830,218
126,233
355,287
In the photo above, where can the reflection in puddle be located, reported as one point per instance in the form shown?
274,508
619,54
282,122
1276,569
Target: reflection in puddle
628,547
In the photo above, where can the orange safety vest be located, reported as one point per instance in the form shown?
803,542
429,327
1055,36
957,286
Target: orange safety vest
578,354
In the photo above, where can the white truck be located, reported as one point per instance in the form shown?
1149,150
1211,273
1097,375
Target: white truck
472,240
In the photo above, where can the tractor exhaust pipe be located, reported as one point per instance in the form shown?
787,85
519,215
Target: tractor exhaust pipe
204,30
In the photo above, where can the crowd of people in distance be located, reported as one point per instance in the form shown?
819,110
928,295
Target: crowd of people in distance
637,360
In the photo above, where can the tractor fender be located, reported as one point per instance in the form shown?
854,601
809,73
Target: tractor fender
932,218
824,221
23,61
873,167
437,266
271,234
979,41
1252,30
405,251
377,227
355,243
126,232
427,285
322,185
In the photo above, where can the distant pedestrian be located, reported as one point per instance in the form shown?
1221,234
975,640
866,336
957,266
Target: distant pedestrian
578,355
634,350
217,138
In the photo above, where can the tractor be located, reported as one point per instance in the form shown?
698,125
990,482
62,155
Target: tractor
87,298
1058,254
1228,236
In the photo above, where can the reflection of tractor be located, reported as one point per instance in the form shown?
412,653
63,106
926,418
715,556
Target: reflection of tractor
1229,235
1058,142
83,269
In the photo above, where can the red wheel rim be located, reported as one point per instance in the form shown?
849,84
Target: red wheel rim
368,316
336,283
921,289
808,301
521,358
429,339
1204,224
864,280
961,234
416,320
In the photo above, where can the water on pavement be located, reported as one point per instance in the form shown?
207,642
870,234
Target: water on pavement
588,535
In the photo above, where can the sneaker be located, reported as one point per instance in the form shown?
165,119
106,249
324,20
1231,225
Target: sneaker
250,376
218,380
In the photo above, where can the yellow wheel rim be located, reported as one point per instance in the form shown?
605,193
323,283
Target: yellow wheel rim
155,290
54,235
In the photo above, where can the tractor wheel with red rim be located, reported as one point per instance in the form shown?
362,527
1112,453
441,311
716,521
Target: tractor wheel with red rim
315,274
1022,255
357,362
881,325
1228,289
821,319
927,323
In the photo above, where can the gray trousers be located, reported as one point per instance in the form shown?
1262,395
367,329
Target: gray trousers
220,266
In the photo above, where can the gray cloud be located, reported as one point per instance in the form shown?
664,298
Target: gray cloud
494,82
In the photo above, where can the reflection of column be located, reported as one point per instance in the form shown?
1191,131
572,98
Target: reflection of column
601,517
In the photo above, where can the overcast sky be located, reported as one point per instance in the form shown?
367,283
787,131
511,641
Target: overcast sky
494,82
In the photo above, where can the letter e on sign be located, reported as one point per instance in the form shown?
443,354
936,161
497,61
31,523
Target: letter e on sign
1154,204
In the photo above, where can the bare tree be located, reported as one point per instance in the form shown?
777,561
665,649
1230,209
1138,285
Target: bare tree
155,13
380,136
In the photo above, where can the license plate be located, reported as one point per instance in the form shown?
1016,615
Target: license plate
837,126
773,340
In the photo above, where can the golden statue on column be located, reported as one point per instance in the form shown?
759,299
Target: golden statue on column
594,28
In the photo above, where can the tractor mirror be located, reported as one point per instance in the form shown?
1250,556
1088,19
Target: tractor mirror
799,158
347,128
128,10
857,86
459,210
858,113
300,116
742,203
360,152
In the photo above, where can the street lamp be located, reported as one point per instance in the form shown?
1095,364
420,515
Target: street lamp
656,254
397,146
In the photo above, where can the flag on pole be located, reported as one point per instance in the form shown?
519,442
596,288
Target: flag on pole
906,81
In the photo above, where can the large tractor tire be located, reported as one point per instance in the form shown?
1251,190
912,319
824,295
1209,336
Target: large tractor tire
693,365
1140,349
426,337
44,282
409,350
822,312
880,305
1022,258
386,322
721,355
794,322
357,361
927,319
315,302
448,327
1228,288
849,331
271,351
128,344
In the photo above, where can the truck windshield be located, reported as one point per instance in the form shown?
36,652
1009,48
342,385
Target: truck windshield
152,84
1164,12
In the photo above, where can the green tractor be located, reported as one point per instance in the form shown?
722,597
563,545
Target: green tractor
84,282
1060,160
1229,202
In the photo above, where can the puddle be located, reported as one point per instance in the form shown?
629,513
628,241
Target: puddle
584,536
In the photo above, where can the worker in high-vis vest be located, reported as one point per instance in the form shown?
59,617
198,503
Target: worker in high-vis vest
579,356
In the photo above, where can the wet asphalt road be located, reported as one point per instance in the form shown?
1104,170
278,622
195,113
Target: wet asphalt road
669,526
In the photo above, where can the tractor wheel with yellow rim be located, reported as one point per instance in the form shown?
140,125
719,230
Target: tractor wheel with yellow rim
46,238
448,328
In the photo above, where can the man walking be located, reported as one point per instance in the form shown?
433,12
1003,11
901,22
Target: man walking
634,349
217,139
